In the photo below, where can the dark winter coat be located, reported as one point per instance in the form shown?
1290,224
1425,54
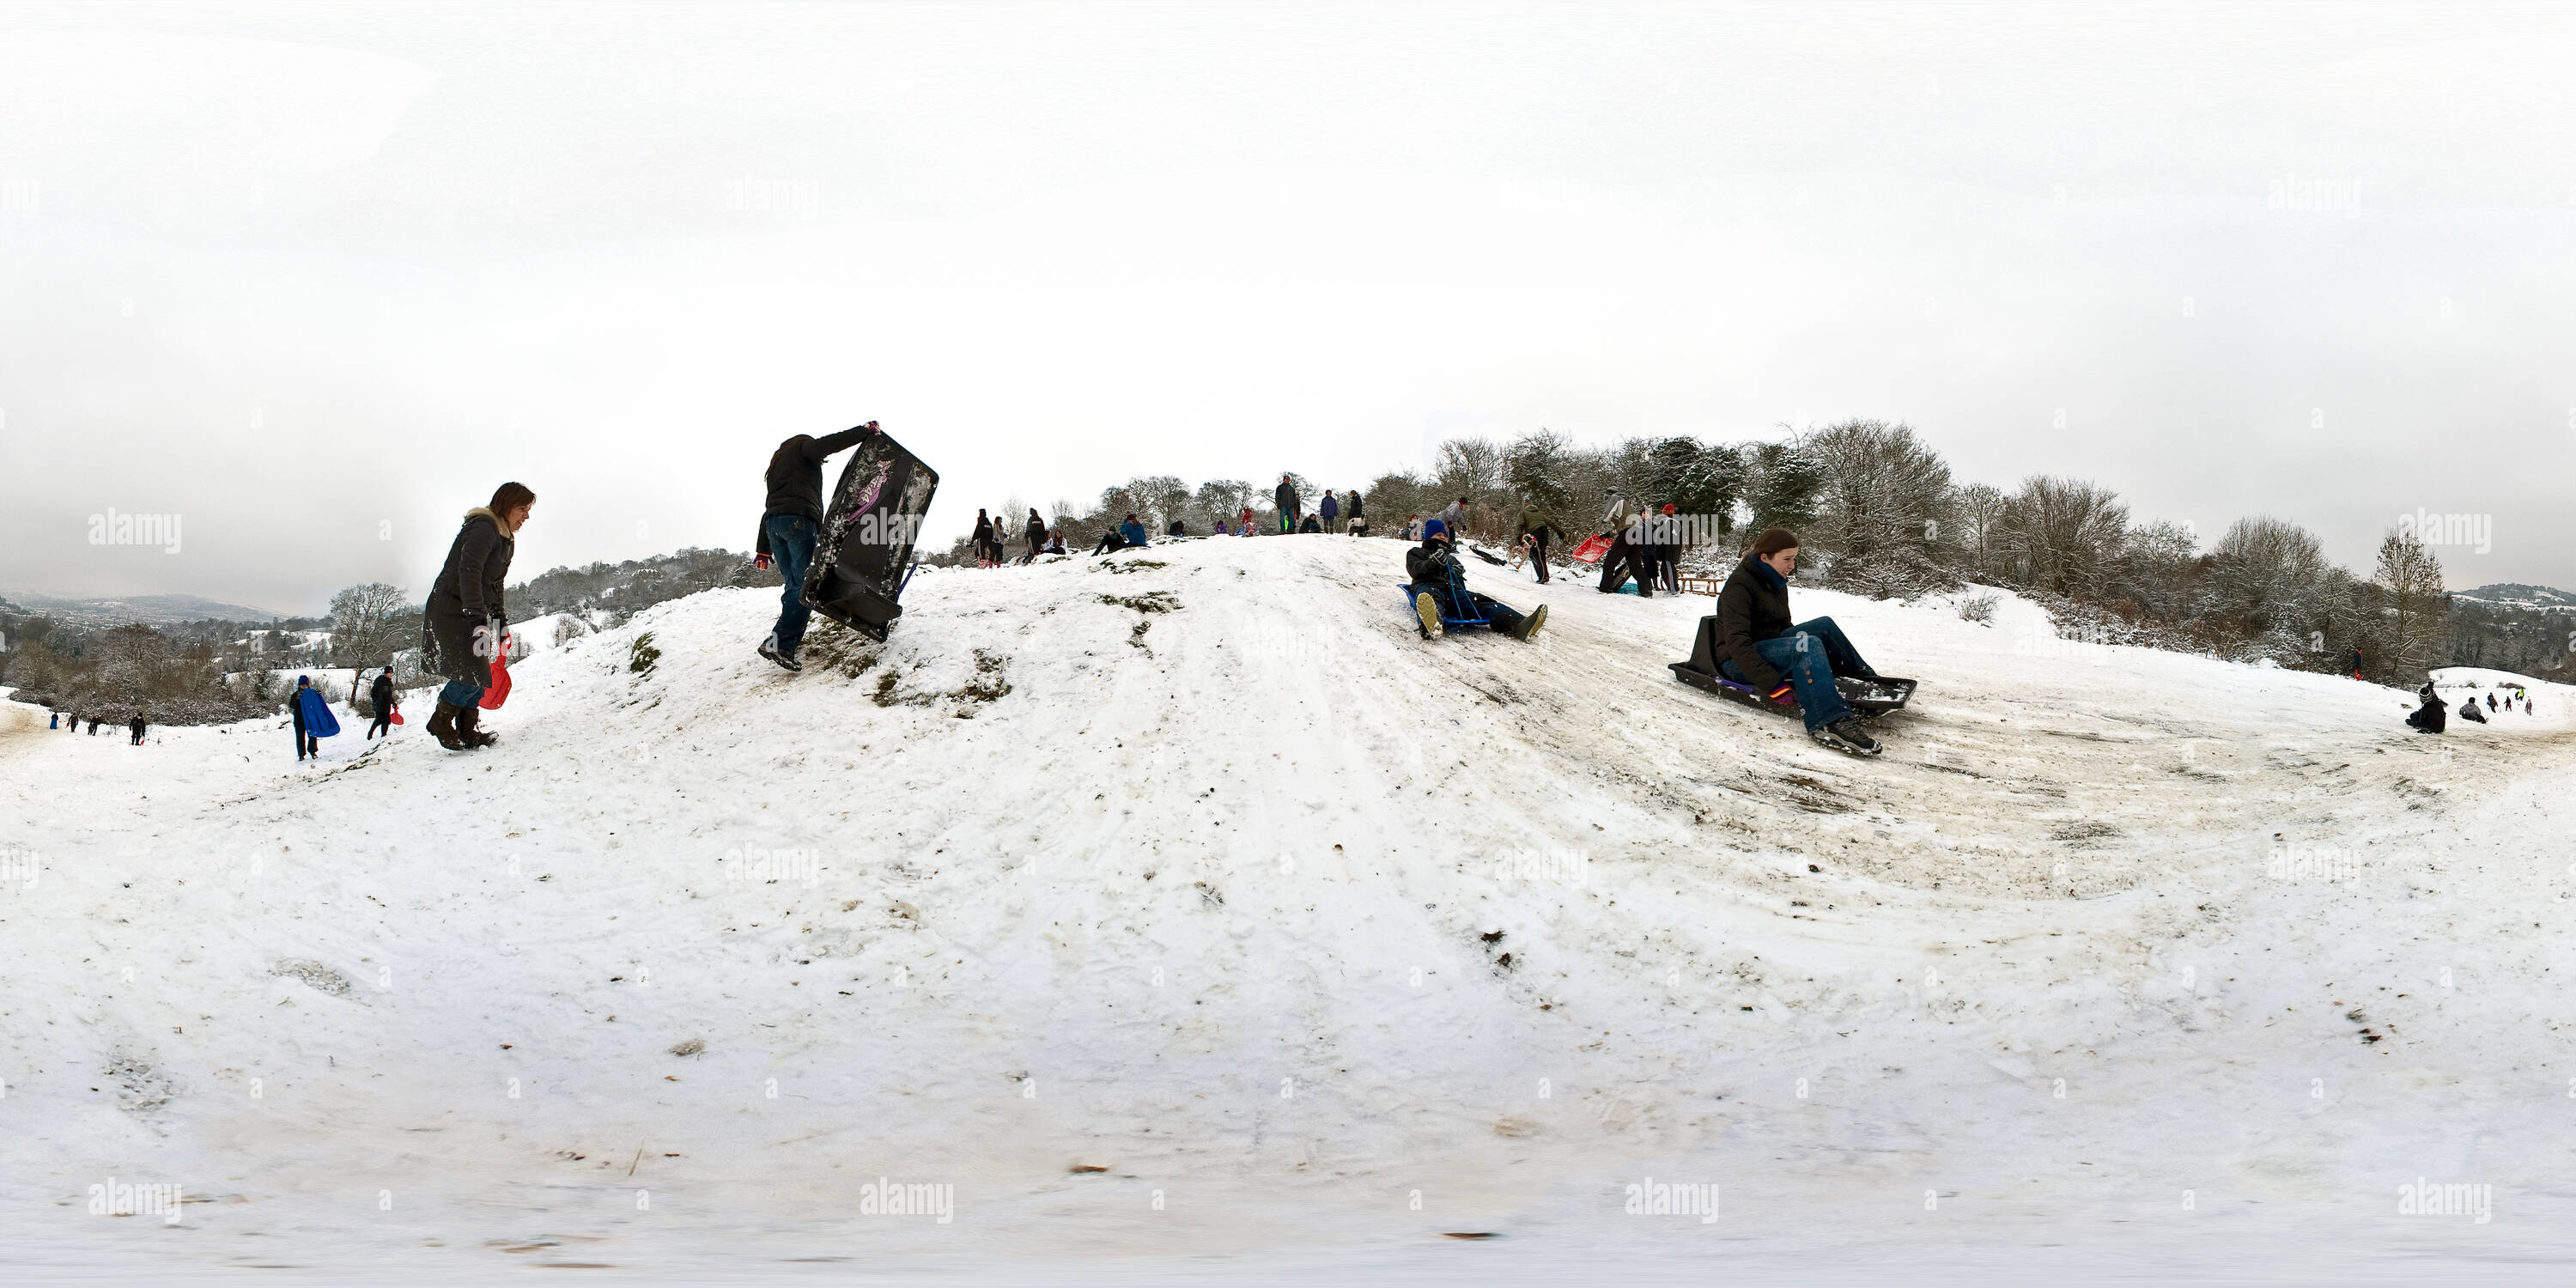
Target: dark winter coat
1286,496
1356,512
137,727
1753,607
2432,717
1037,530
1329,508
381,695
1534,521
1433,564
467,594
2469,711
1132,532
796,477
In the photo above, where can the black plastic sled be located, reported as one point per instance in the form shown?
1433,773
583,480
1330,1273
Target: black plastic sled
865,554
1869,699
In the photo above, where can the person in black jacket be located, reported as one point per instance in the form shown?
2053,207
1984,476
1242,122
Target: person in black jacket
983,540
790,525
463,624
1440,588
2433,716
137,726
1758,646
380,695
1037,533
1286,497
1357,515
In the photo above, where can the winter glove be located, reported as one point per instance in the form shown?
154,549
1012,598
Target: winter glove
761,562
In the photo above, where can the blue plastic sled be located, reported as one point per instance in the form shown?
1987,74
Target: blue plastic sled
1447,623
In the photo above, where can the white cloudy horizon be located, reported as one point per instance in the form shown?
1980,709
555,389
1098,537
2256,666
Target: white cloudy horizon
317,279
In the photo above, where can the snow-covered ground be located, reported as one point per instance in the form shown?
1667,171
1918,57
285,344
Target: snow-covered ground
1194,866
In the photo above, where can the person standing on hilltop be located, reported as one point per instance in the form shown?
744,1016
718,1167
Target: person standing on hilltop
790,525
463,624
983,540
1037,533
137,727
1353,510
1329,509
1285,496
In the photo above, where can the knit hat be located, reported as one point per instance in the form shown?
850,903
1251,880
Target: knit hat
1435,528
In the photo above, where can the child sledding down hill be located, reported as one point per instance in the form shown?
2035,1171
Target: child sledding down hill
1439,590
2432,717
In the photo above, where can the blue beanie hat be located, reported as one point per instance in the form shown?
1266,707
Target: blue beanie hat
303,681
1435,528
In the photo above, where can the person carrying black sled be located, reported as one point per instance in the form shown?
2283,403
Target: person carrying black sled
1440,587
380,695
463,624
2433,716
1758,646
791,523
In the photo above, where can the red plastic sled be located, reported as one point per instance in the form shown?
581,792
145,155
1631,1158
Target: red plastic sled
1592,549
500,691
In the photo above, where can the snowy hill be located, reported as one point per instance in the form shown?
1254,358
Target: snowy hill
151,610
2511,594
1194,865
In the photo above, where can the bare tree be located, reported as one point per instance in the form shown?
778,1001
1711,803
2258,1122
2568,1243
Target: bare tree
1883,488
2060,531
362,621
1978,509
1469,467
2411,578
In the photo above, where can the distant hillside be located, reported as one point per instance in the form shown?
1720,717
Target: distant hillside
2514,594
618,590
151,610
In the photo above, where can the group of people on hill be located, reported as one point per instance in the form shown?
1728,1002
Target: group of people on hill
1347,513
1645,543
72,720
2433,713
992,539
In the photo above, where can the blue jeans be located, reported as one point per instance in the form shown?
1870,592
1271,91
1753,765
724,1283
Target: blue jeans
791,545
459,693
1809,655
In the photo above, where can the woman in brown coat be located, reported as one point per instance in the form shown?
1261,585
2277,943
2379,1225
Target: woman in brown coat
463,623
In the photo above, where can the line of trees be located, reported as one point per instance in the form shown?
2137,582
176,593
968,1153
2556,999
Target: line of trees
1880,514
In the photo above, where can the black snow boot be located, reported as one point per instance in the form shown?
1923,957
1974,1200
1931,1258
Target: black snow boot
466,719
1845,735
442,726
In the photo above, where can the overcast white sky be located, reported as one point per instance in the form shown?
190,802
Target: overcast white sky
308,276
